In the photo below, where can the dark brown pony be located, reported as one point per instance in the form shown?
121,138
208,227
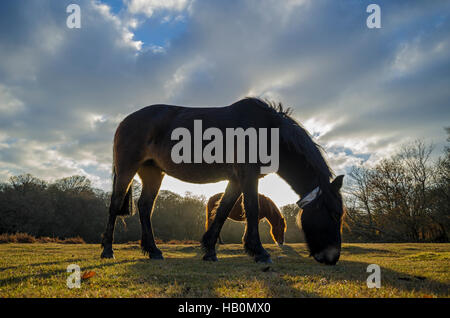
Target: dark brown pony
267,209
143,144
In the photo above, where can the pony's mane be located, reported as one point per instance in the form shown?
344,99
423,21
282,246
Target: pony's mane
297,138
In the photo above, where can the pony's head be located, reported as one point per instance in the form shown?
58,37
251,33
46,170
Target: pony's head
321,221
278,230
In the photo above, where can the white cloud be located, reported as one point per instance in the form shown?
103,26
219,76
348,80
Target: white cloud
9,104
123,27
62,96
42,161
149,7
415,54
186,73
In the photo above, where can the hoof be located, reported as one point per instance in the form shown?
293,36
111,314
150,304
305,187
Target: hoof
263,259
156,256
210,258
107,255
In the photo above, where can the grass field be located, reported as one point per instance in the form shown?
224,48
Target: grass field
407,270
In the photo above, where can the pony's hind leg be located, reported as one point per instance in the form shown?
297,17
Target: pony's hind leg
252,240
151,177
209,239
121,185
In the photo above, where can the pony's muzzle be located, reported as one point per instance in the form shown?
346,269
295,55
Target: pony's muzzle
328,256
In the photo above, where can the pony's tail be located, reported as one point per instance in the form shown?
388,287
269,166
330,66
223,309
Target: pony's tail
208,210
128,207
207,218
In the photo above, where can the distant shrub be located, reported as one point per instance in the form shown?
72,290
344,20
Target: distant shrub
186,242
134,242
17,238
27,238
157,241
73,240
46,239
171,242
5,238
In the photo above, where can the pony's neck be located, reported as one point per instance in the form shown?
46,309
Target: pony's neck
273,215
275,219
297,173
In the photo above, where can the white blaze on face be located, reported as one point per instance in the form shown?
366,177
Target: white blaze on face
309,198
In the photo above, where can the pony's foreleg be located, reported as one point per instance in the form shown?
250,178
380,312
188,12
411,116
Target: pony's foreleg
151,180
252,240
209,239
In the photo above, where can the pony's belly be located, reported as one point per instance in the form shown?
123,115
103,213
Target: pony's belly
198,173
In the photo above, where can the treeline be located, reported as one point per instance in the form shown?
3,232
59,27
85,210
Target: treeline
71,207
405,198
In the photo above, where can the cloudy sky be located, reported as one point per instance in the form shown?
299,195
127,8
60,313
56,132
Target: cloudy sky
361,92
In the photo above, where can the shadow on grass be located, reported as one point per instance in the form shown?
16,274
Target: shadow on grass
238,249
43,264
284,278
229,277
363,250
55,272
290,251
291,270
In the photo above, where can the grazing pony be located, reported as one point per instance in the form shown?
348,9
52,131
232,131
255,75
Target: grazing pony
143,144
267,209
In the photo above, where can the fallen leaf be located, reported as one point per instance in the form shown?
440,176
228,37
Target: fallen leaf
87,274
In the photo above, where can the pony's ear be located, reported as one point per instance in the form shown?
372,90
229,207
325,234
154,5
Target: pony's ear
336,185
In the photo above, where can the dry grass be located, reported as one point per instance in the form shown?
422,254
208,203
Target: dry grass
407,270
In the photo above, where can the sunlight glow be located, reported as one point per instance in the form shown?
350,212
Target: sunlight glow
271,185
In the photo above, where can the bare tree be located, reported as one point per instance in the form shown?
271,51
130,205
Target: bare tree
394,200
26,182
74,183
